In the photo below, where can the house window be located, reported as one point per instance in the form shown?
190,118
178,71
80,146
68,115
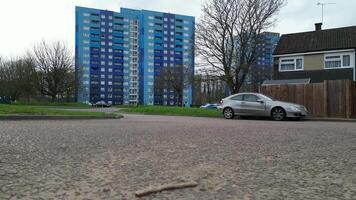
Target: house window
346,60
291,64
335,61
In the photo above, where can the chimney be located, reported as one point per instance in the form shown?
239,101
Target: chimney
318,26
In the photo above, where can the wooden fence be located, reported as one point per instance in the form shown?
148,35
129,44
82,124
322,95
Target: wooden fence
328,99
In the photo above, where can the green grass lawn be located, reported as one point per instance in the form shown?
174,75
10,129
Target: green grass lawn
52,104
167,110
35,110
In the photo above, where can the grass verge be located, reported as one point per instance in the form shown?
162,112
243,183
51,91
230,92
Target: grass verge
52,104
175,111
7,110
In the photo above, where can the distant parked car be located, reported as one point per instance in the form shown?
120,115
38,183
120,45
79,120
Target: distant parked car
255,104
101,104
5,100
210,106
88,103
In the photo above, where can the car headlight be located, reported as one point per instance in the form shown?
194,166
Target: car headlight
294,109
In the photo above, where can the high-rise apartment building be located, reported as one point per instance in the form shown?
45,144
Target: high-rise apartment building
121,56
261,70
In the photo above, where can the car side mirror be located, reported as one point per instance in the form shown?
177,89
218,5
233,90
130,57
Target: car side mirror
260,101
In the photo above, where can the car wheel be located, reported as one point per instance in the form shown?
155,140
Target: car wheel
278,114
229,113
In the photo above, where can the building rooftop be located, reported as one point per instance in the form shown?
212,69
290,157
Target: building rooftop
319,40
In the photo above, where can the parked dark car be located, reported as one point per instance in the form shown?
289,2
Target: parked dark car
210,106
101,104
5,100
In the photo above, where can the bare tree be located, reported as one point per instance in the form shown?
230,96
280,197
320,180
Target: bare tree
228,35
175,78
55,69
17,78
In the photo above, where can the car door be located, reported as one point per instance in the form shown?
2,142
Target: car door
250,105
236,103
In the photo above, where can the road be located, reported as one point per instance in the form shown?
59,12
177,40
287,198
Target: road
230,159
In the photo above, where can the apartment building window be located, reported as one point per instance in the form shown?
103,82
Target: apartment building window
291,64
102,29
335,61
86,21
86,28
110,17
102,16
102,23
86,14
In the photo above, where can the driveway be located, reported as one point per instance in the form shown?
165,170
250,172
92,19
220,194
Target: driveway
229,159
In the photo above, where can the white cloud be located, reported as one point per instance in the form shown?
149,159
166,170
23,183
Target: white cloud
24,22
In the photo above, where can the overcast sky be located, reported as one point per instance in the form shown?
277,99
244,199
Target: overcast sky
24,22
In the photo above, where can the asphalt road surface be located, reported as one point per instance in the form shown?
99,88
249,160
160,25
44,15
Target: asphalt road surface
229,159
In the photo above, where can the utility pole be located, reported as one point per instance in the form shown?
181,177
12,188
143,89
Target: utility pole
322,9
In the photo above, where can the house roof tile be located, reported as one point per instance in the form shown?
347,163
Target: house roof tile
322,40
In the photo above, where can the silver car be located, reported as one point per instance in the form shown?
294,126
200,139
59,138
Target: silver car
255,104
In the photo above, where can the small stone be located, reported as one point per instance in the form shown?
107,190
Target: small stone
106,190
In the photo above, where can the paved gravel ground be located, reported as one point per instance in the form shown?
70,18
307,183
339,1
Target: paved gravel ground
230,159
